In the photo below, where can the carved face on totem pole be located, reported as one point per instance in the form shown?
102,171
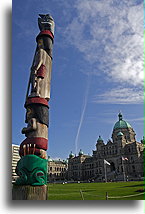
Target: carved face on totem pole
46,22
32,170
29,113
36,131
37,111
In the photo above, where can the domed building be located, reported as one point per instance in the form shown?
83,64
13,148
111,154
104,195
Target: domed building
119,159
71,155
80,152
124,127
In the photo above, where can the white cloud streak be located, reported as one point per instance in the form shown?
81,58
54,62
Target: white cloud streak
140,119
110,36
120,96
82,113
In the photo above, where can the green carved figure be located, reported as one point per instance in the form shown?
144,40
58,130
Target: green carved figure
32,170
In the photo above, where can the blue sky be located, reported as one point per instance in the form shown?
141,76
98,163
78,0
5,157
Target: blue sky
97,69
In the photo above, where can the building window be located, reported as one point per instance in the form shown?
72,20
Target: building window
132,160
133,168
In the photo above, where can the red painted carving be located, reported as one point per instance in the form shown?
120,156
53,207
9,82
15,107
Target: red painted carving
36,100
30,150
41,71
47,33
40,143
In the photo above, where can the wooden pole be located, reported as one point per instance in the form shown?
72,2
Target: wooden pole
106,195
32,168
81,194
27,192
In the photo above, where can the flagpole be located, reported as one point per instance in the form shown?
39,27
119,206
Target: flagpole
105,172
123,170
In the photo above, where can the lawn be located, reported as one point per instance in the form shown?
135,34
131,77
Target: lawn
96,191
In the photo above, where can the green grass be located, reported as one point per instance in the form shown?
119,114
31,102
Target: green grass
95,191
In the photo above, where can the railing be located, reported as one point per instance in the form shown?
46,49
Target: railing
106,197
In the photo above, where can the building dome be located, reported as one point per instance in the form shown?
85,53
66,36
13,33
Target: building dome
65,161
121,124
49,159
100,142
71,155
99,139
81,152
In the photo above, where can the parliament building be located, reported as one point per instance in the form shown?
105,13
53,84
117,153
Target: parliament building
123,155
119,159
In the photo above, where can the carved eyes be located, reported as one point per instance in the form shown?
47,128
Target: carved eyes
39,174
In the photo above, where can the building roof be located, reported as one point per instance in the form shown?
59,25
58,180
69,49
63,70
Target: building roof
81,152
121,124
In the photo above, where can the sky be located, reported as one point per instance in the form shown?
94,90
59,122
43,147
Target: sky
97,69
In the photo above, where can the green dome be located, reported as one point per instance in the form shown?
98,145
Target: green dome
121,124
99,139
71,155
65,161
81,152
49,159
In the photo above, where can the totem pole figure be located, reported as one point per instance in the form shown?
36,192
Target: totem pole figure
32,167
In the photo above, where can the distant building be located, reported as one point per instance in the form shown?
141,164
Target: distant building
123,153
57,170
15,159
80,167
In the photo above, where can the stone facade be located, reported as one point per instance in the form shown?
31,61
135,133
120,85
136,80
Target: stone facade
57,170
123,153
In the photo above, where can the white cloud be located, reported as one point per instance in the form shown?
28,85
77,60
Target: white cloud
140,119
120,96
110,36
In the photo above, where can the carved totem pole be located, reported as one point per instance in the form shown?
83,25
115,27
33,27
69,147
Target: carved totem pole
32,167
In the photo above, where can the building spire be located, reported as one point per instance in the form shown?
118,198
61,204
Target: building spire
120,115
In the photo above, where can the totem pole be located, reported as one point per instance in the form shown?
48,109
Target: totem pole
32,168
